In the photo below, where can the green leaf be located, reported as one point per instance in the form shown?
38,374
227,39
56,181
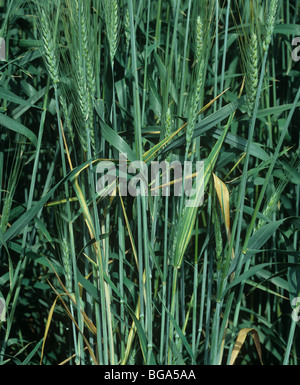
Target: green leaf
142,337
13,125
44,230
258,239
33,352
163,73
276,279
287,29
273,111
155,101
261,236
240,143
89,287
11,97
247,274
181,335
116,141
21,109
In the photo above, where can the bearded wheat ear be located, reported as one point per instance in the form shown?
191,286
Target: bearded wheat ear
168,123
199,39
199,81
111,16
51,56
82,100
127,29
67,118
84,35
270,23
86,83
273,202
252,73
67,264
218,237
5,212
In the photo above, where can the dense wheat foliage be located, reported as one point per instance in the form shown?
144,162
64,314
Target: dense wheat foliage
89,278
